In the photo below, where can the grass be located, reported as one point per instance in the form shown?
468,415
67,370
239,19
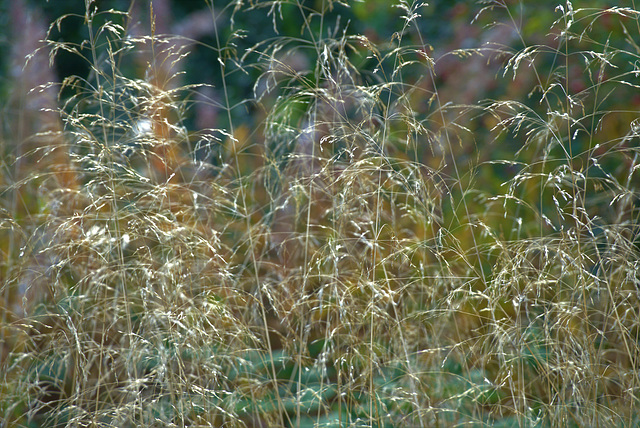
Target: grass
374,246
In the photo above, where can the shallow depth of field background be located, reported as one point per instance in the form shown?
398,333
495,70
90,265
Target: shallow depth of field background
319,213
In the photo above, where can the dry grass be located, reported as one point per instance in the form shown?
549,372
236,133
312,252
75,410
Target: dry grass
372,254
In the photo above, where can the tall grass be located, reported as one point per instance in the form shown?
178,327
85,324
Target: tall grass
372,248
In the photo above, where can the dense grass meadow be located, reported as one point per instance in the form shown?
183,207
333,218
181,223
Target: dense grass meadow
320,213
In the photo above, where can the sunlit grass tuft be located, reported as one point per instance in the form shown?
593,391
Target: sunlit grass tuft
371,253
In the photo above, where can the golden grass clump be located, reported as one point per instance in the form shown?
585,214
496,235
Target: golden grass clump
371,247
